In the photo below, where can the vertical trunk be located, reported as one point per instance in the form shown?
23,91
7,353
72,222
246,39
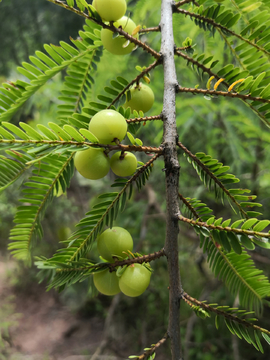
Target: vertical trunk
172,175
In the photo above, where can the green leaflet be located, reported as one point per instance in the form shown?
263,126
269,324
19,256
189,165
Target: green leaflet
44,68
113,101
77,83
49,176
56,140
256,81
239,274
210,171
80,242
12,167
238,322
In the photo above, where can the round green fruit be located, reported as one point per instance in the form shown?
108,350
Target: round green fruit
92,163
134,280
119,45
109,126
107,282
110,10
113,242
142,98
123,164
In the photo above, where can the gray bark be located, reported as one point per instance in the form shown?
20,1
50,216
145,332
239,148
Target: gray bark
172,175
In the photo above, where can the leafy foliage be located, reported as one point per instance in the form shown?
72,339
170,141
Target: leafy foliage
44,67
49,177
214,175
226,256
238,322
50,149
13,167
70,261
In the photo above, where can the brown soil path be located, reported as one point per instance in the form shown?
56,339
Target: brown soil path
46,330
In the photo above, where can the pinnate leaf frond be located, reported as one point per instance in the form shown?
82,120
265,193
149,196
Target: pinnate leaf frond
239,322
12,167
42,68
48,178
103,213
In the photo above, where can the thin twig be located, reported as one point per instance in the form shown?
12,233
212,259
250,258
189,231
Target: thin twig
152,350
183,48
146,149
136,80
200,66
216,180
144,119
106,265
190,301
184,200
223,93
226,30
221,228
138,260
151,29
183,2
211,73
109,27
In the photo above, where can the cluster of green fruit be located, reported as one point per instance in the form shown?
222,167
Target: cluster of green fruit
114,10
132,280
110,127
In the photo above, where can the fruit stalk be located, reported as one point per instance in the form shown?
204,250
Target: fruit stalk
172,175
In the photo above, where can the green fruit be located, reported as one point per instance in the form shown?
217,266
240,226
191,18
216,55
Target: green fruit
110,10
117,46
107,282
92,163
123,164
113,242
109,126
142,98
134,280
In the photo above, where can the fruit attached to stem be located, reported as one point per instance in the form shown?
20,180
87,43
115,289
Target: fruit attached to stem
110,10
107,282
113,242
119,45
92,163
109,126
123,164
135,280
142,98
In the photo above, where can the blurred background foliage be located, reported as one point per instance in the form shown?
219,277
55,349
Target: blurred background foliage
223,128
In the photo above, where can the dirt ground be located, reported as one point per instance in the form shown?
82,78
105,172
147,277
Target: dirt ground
45,329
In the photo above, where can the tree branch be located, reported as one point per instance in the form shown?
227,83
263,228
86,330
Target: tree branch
215,179
144,119
183,2
109,27
151,29
200,66
136,80
221,228
223,93
226,30
146,149
189,300
172,169
148,353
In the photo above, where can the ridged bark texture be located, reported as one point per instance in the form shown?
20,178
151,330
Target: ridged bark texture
172,175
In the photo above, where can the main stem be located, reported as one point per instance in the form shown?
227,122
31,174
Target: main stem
172,175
